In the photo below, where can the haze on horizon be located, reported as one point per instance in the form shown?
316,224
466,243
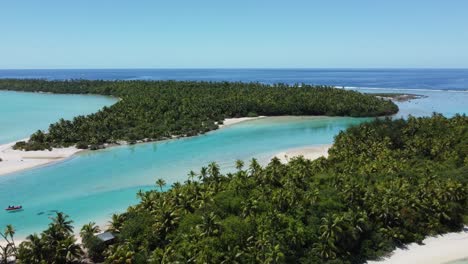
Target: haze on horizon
53,34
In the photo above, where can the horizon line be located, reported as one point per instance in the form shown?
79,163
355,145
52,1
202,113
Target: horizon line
244,68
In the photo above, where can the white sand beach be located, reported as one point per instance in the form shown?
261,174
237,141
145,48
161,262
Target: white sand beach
435,250
309,152
16,160
233,121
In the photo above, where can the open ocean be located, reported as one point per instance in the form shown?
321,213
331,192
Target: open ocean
433,79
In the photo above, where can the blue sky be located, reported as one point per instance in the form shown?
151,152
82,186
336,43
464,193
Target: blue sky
233,34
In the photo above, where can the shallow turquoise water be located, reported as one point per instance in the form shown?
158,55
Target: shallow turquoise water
21,114
93,185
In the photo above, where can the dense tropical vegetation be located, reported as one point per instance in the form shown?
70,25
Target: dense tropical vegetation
385,183
155,110
56,244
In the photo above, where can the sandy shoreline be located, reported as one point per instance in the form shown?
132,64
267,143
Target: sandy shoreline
233,121
436,250
309,152
16,160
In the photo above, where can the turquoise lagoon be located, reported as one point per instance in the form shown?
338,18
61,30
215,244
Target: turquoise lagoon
21,114
92,185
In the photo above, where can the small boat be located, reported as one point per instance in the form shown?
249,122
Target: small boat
14,208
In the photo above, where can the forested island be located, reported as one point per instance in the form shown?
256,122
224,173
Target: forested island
156,110
385,183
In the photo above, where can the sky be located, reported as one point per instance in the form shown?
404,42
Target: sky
56,34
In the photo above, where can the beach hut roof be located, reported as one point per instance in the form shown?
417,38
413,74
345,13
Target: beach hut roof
106,236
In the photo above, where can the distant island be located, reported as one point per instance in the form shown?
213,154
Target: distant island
157,110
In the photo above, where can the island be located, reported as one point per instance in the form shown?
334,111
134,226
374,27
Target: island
384,184
158,110
381,185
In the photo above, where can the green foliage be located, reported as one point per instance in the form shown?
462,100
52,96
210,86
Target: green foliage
56,244
95,247
8,247
156,110
385,184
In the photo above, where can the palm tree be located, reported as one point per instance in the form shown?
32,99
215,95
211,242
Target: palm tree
239,164
176,186
167,220
330,232
10,232
161,183
249,207
116,222
205,198
88,230
331,227
233,255
56,244
192,175
62,224
255,167
148,200
32,250
203,173
186,203
325,250
68,251
6,253
120,253
140,194
209,225
9,249
213,170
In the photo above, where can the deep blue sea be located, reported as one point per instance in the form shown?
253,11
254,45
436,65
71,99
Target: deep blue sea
92,185
439,79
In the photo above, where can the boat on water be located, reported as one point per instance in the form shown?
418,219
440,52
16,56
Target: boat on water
14,208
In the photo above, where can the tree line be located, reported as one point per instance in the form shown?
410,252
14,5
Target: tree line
155,110
385,184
